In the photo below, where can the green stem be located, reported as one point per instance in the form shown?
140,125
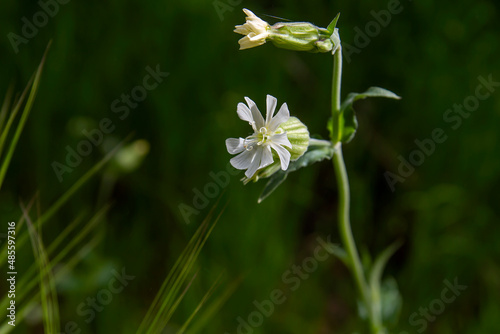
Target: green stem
345,228
344,198
336,85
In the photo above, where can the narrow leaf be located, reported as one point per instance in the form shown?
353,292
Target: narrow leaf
26,308
392,301
5,108
348,120
167,298
48,291
274,182
200,305
377,294
313,154
13,113
211,310
381,261
370,92
333,24
24,118
68,194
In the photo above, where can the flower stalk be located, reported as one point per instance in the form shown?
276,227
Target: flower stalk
336,87
272,147
344,201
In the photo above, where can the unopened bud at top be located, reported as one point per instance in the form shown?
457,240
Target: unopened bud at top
255,30
298,36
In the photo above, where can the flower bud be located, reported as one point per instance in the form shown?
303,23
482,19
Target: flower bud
300,36
255,30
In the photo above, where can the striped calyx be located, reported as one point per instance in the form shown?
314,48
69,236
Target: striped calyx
298,135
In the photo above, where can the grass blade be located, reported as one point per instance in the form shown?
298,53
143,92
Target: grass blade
167,300
5,108
24,118
27,283
29,279
48,291
214,307
67,195
200,305
3,252
13,114
24,310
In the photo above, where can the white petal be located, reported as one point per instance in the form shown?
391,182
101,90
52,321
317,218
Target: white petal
257,116
235,145
282,116
257,26
283,154
258,39
255,163
244,113
271,107
267,157
281,139
241,29
249,13
243,160
246,43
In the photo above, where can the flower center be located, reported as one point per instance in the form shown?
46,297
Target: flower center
260,137
263,135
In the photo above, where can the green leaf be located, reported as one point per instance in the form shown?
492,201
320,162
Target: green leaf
340,253
333,24
370,92
313,154
383,295
348,121
387,304
274,182
391,300
348,124
381,261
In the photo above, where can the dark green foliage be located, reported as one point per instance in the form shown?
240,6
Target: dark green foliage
430,53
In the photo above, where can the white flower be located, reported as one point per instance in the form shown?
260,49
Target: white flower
255,150
255,31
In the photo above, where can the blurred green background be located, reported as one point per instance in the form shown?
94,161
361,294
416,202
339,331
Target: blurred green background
447,211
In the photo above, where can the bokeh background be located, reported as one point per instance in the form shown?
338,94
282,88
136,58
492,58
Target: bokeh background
446,212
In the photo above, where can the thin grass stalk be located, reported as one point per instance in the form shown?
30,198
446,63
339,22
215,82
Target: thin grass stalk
5,108
24,118
200,305
48,292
